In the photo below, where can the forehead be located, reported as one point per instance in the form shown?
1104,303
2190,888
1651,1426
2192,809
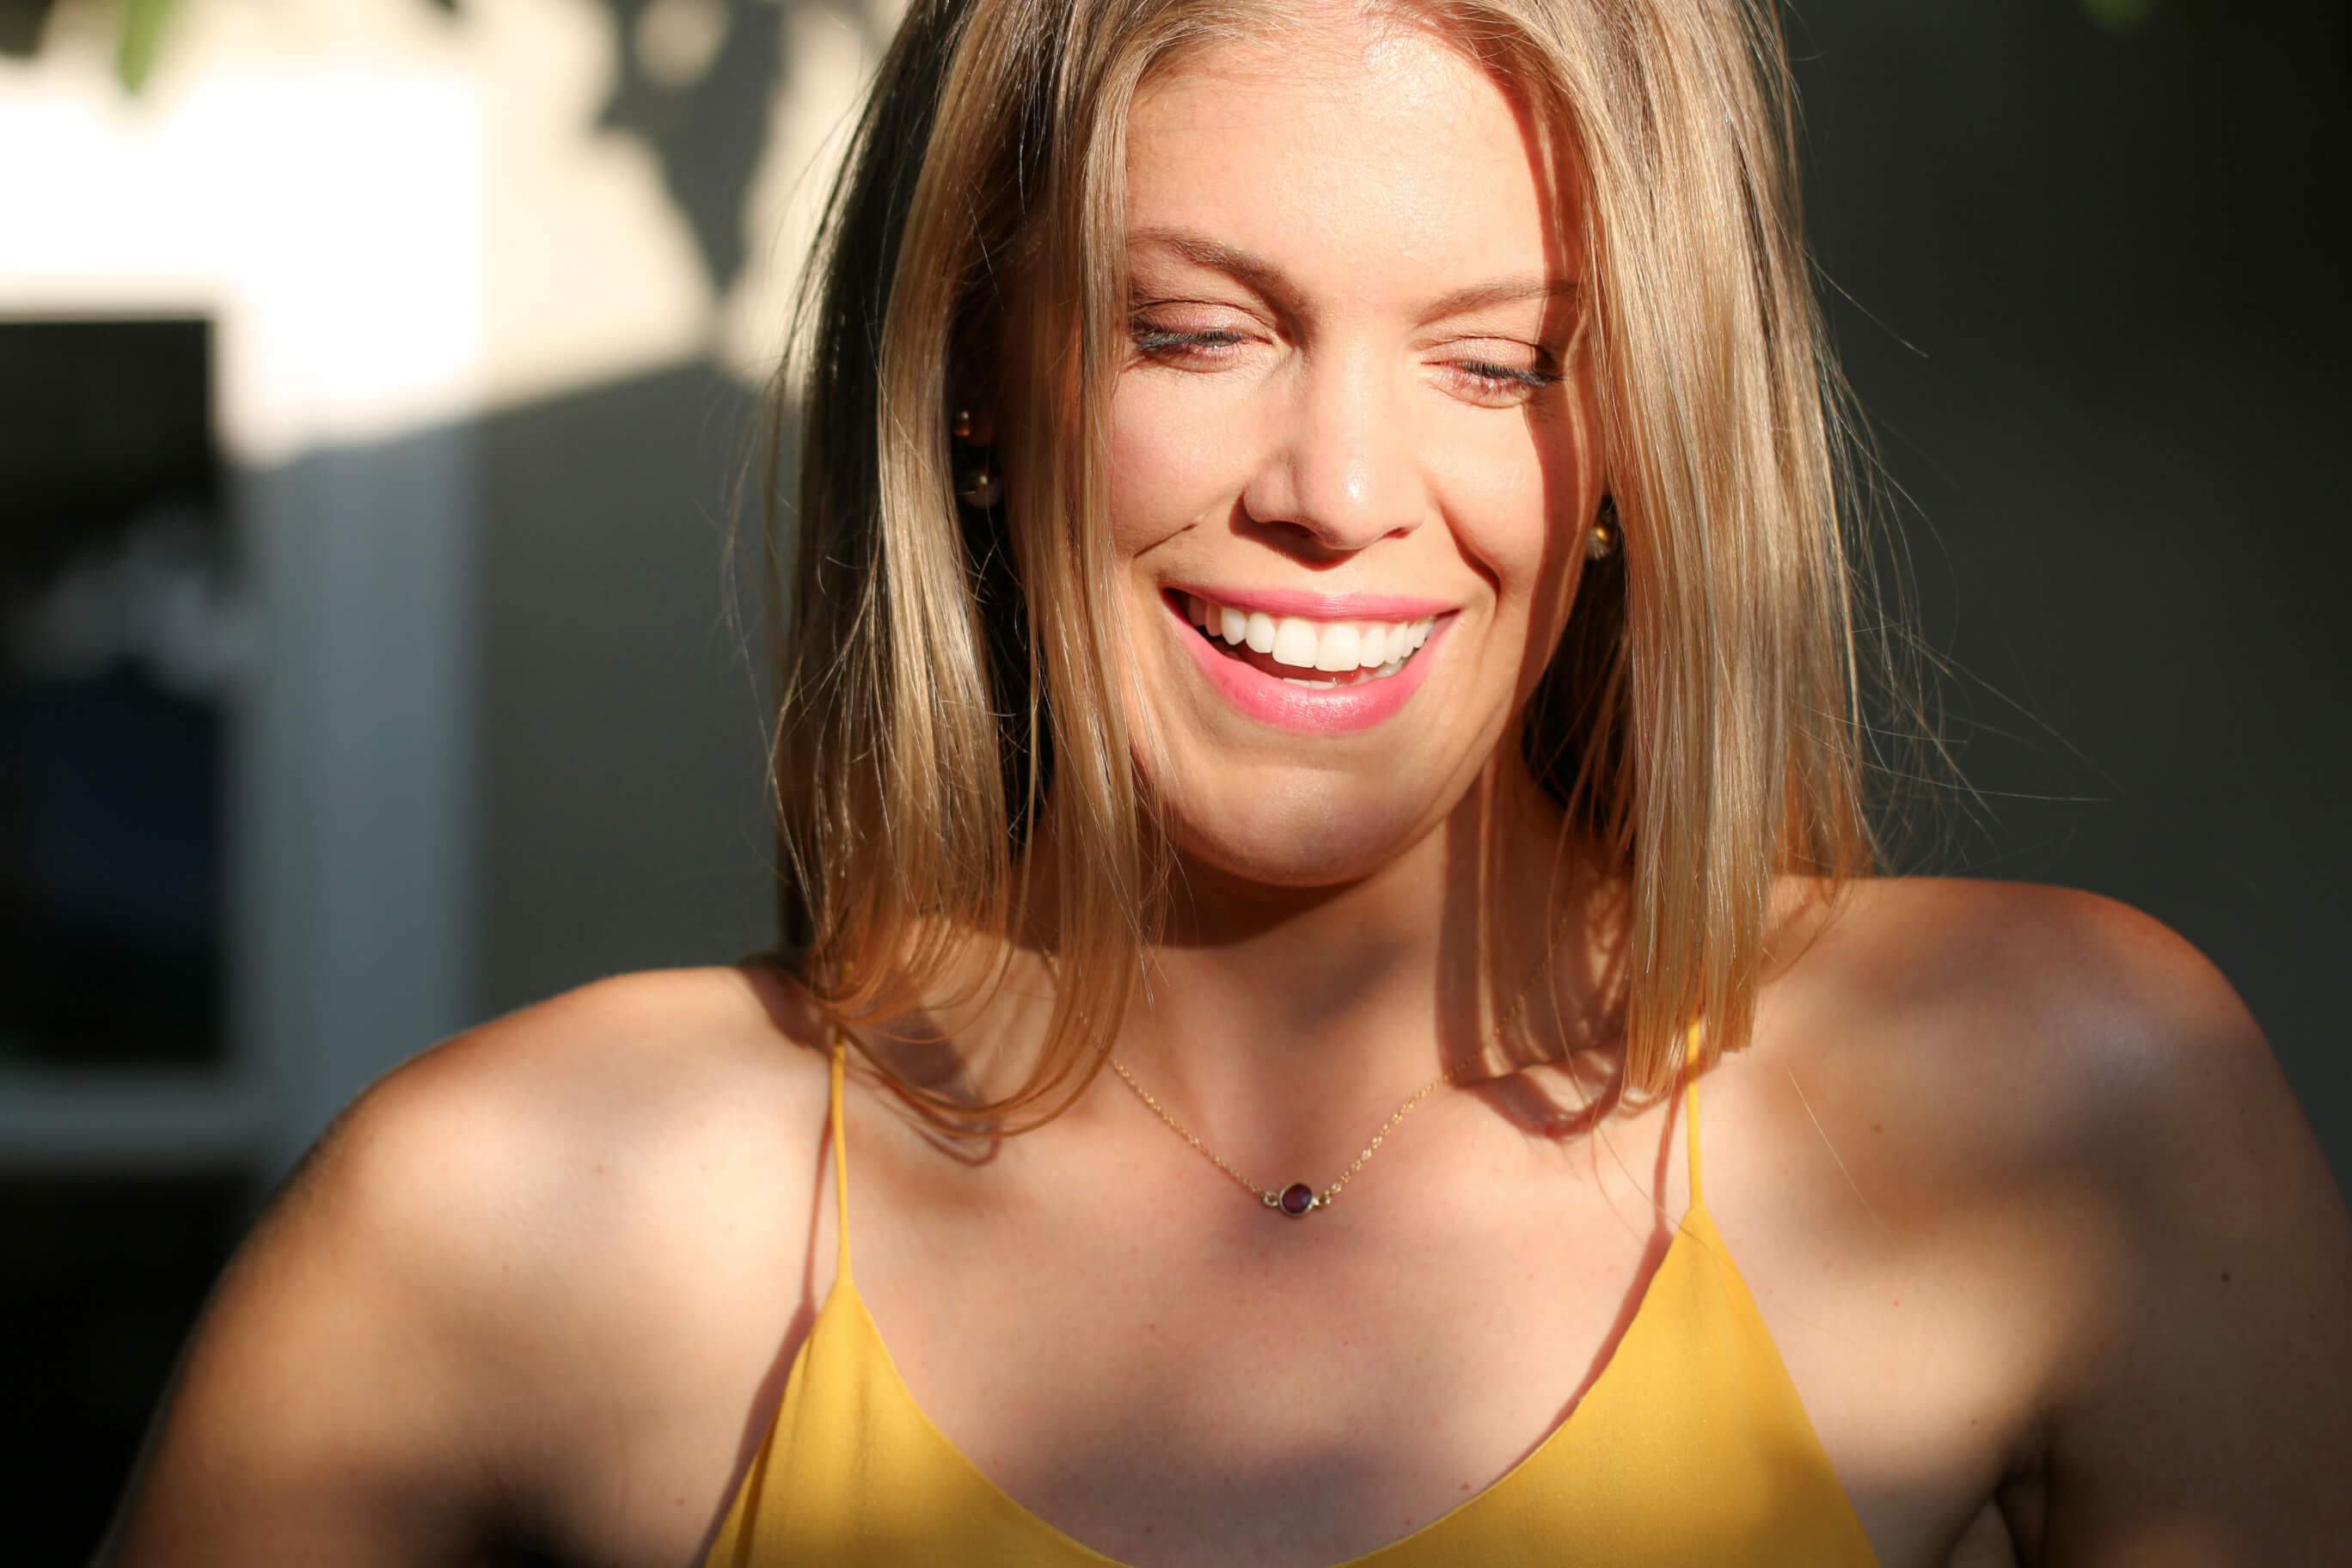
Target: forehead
1377,151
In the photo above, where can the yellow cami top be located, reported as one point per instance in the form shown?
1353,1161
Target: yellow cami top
1691,1448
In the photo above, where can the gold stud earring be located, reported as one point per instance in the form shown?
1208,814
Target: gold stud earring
1603,539
980,485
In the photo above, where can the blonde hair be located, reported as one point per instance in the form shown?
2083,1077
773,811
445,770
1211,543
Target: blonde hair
947,678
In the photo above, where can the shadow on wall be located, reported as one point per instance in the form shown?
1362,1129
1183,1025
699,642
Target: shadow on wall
625,821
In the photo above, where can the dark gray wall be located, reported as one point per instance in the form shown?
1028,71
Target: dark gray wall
624,824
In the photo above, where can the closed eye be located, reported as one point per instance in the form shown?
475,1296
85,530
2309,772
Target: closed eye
1507,376
1483,380
1488,384
1161,342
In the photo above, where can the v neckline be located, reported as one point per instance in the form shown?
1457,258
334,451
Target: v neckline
1693,1216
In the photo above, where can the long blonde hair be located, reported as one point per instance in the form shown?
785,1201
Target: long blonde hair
947,676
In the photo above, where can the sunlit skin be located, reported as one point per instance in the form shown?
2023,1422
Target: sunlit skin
1356,368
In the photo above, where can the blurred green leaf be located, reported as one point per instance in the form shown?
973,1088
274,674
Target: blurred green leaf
142,34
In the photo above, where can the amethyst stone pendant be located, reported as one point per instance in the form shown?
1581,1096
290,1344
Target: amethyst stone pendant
1296,1199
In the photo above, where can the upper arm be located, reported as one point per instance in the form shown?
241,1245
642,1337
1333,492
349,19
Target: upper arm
391,1369
2200,1417
330,1404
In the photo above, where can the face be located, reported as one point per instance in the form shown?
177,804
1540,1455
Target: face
1352,460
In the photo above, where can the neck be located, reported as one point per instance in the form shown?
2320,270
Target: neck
1276,1020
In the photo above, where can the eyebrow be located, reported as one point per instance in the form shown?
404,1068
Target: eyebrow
1268,279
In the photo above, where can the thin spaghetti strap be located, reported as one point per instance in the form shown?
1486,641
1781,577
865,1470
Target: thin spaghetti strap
840,1159
1690,1105
1690,1100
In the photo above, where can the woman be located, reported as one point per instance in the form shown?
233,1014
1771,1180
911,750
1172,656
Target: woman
1320,581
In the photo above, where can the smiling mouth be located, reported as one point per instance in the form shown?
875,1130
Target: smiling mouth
1319,654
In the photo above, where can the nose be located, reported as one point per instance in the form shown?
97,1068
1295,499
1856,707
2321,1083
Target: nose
1341,471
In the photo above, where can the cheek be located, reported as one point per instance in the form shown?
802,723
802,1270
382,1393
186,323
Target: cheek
1505,500
1533,490
1172,464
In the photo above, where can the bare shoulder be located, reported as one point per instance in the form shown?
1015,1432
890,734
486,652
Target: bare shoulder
1949,938
2074,1090
629,1173
617,1078
2027,1023
526,1246
616,1131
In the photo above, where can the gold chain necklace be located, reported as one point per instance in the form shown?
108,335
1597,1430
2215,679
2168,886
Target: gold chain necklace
1298,1199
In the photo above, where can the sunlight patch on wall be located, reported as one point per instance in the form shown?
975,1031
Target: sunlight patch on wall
830,61
327,217
591,277
398,219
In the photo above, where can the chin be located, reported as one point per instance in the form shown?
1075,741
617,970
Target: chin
1312,831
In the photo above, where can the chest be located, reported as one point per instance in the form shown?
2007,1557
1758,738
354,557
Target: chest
1282,1397
1171,1392
1315,1415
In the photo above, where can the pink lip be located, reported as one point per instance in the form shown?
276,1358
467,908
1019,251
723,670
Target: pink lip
1320,606
1272,701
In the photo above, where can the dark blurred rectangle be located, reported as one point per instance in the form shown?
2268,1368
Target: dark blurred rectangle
102,1279
121,637
100,421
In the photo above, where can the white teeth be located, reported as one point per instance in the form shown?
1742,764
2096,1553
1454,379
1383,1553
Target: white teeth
1334,651
1332,647
1294,643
